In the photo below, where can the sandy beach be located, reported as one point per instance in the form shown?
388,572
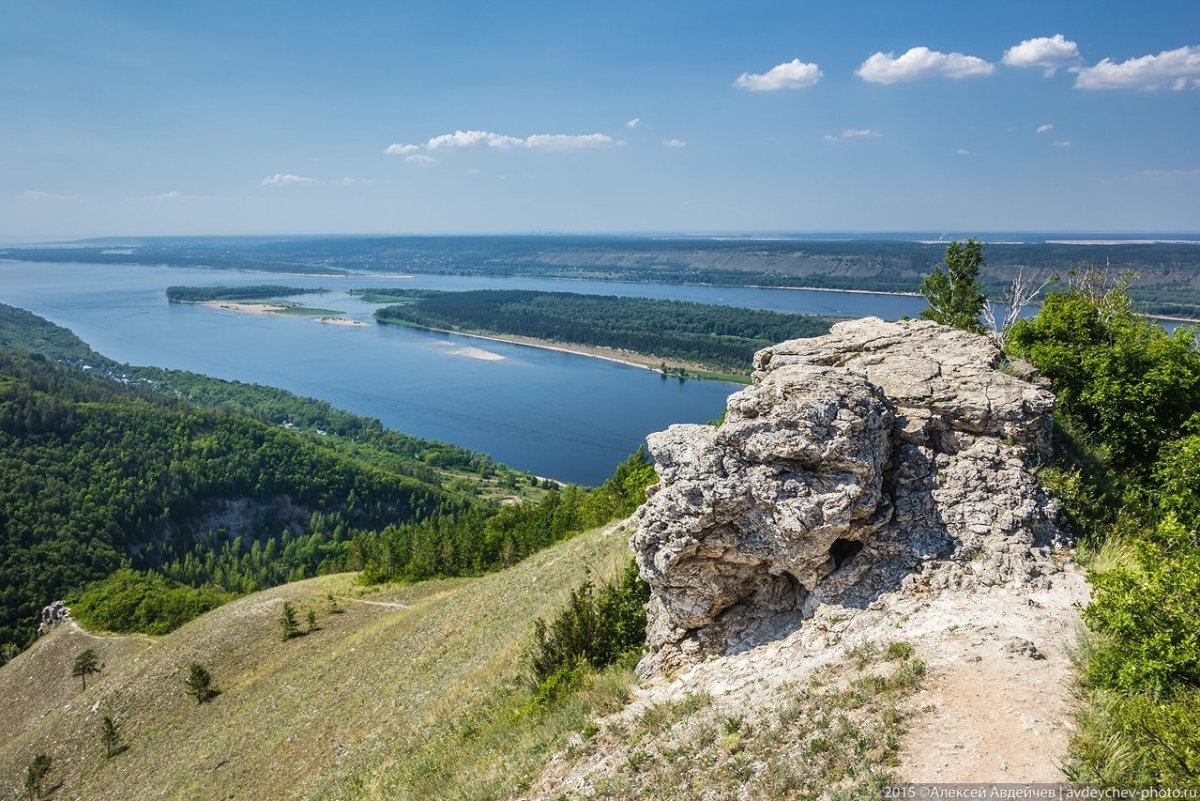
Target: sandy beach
244,307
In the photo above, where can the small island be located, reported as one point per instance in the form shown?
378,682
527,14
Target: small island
679,339
255,299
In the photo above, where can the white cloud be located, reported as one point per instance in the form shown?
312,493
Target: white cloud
794,74
1178,69
282,179
962,151
852,133
1050,52
463,140
172,195
674,143
37,194
1045,127
420,159
398,149
635,122
921,62
348,181
1061,143
568,141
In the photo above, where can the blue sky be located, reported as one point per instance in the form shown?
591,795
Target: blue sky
133,118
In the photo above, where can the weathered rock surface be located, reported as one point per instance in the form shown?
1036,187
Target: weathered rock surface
882,458
52,615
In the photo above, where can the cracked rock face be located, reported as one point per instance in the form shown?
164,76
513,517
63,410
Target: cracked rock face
883,457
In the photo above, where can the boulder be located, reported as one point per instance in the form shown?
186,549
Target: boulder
882,457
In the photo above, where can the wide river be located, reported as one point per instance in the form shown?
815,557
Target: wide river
555,414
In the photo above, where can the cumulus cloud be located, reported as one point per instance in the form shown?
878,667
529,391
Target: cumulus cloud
286,179
1045,127
635,122
794,74
420,159
398,149
962,151
1061,143
1050,52
674,143
921,62
1178,69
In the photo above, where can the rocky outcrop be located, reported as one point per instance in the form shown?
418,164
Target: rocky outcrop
52,615
882,458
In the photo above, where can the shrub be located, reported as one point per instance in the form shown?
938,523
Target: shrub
597,627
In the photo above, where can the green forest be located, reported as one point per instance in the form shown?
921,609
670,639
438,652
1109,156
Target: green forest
717,337
94,475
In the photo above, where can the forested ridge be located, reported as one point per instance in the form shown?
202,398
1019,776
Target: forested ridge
94,474
718,337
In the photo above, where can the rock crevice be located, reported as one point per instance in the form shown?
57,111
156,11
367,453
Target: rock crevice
882,457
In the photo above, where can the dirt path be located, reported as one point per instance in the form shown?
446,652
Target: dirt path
996,706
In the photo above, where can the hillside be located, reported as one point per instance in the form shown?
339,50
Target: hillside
398,697
93,473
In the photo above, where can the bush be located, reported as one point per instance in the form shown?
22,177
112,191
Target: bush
597,628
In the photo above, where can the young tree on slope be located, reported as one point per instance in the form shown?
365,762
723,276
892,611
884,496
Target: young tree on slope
955,294
85,665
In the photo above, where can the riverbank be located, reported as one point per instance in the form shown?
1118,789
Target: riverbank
627,358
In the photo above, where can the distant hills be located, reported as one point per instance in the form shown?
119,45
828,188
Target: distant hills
1168,266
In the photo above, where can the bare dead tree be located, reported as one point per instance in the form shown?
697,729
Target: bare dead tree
1023,290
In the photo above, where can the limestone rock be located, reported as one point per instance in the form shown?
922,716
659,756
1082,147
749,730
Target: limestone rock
883,457
52,615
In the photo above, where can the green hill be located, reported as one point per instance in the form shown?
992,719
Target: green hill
413,692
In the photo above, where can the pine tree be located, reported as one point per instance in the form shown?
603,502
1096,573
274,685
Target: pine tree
199,683
334,609
110,736
311,617
287,621
86,664
39,768
955,294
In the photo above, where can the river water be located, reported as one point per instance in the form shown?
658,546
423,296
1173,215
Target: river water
556,414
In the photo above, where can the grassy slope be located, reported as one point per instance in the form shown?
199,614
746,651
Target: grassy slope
342,713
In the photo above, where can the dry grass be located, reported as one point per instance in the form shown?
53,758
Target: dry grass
834,737
412,692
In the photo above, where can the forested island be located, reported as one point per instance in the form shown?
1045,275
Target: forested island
720,339
201,294
257,298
